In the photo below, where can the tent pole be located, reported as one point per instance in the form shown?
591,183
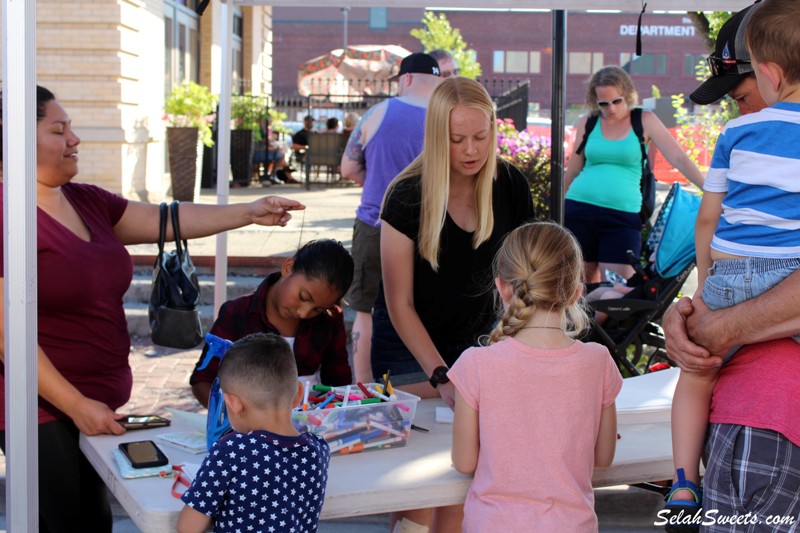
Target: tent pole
559,83
223,154
19,282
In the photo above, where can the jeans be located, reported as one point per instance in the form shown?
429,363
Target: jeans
733,281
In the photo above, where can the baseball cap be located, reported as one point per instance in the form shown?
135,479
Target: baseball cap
730,62
418,63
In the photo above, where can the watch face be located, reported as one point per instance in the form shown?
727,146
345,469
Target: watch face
440,374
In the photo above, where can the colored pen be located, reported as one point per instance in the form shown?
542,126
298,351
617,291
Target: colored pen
379,395
387,429
364,389
326,401
346,397
306,390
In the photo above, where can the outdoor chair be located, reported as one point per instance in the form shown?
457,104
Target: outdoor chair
324,154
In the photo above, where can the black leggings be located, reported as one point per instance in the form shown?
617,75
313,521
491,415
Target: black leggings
72,497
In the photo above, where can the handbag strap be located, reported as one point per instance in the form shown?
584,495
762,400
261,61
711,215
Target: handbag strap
162,232
176,231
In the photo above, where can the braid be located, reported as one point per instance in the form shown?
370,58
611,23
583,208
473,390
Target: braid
542,262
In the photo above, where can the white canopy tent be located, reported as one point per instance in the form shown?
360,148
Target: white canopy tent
19,210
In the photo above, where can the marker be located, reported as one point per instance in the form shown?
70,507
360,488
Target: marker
379,395
364,389
326,401
346,396
306,390
366,401
387,429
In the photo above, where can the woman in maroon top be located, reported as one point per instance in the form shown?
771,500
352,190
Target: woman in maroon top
83,371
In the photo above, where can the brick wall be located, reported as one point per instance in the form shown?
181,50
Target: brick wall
104,59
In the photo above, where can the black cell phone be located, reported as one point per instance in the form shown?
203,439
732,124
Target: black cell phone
143,421
143,454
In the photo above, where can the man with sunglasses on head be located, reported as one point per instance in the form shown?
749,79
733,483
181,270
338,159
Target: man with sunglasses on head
731,69
752,451
447,63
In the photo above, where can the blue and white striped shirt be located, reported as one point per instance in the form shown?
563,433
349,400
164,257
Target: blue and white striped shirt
757,164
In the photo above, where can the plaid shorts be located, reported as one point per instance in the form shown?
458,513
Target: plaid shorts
753,474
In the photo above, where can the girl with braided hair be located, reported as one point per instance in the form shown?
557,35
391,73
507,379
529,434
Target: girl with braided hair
535,409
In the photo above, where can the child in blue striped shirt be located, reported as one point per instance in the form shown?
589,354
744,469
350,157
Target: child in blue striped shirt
747,236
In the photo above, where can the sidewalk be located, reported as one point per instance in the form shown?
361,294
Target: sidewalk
330,213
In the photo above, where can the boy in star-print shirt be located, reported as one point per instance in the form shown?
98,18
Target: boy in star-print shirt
264,477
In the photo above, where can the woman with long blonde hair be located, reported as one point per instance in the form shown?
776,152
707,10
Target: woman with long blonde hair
443,219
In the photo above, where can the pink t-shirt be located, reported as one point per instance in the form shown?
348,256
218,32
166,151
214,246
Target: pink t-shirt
539,415
758,388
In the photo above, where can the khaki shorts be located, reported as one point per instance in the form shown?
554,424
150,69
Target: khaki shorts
366,253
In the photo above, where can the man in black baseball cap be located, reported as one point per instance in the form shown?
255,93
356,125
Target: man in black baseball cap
418,63
731,70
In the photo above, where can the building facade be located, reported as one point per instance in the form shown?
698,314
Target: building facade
508,45
112,62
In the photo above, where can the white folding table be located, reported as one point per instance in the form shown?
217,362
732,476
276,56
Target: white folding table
417,475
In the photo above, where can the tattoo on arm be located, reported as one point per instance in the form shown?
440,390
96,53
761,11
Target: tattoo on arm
355,145
354,150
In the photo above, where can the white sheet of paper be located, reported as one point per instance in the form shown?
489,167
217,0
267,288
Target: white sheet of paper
196,421
444,415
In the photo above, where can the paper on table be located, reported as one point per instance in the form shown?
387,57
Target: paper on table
444,415
191,441
195,421
647,398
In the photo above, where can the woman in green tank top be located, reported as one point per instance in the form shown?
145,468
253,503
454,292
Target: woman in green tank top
603,194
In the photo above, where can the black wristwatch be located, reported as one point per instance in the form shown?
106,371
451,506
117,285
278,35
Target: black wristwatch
439,376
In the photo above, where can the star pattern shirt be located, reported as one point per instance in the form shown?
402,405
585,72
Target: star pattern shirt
262,482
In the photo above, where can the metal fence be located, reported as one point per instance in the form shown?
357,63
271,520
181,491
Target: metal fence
334,99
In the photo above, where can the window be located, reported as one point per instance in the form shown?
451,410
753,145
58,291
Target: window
690,63
181,43
535,63
645,65
584,62
237,59
516,62
498,61
378,18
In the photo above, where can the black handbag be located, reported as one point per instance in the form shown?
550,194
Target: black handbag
174,318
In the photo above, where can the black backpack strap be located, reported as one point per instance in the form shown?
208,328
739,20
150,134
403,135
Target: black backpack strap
591,122
638,129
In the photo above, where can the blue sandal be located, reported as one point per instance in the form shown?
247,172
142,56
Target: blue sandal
683,512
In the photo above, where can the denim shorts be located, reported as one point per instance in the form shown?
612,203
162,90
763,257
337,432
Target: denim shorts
390,353
733,281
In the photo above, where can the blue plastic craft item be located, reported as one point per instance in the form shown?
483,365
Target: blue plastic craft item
674,232
217,423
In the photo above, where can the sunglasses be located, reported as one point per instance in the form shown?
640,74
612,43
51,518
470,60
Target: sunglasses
615,101
719,65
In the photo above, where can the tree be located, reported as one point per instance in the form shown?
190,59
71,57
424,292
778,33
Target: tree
708,25
439,35
697,133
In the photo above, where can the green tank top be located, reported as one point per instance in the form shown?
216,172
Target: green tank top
612,174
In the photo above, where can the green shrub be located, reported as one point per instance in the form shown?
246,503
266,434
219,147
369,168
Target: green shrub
191,105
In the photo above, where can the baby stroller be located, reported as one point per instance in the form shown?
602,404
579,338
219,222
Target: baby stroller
632,331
